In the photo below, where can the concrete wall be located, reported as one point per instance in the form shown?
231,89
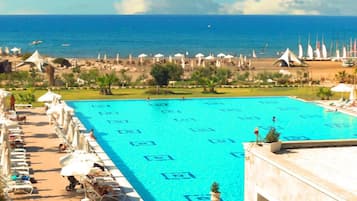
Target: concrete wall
266,174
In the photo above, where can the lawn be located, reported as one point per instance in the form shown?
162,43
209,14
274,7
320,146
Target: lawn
307,93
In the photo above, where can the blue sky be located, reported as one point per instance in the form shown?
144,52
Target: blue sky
293,7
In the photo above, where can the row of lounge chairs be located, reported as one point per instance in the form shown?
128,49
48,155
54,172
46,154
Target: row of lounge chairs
99,185
18,179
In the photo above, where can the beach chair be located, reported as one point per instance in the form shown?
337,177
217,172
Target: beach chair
15,186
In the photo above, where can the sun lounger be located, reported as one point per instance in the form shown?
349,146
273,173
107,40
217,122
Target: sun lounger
23,105
15,186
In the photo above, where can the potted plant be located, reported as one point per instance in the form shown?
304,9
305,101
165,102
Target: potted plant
215,194
272,138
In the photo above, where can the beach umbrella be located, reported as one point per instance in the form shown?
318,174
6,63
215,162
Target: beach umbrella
179,55
229,57
142,55
170,59
141,58
49,96
105,58
0,50
210,57
98,58
342,88
199,55
221,55
77,168
15,50
79,155
158,57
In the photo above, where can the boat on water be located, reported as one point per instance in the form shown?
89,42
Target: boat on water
66,45
36,42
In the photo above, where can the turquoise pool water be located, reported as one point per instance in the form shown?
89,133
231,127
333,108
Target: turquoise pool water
172,150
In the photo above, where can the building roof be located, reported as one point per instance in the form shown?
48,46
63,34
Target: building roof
329,165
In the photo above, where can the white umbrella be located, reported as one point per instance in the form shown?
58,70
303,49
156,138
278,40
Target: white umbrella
199,55
342,88
49,96
179,55
15,50
210,57
228,56
105,58
221,55
7,51
98,58
79,155
142,55
77,168
0,50
159,55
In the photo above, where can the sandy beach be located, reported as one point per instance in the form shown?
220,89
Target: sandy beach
323,71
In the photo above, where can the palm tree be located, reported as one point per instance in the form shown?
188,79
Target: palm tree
105,83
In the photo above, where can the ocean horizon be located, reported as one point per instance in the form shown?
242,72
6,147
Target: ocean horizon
85,36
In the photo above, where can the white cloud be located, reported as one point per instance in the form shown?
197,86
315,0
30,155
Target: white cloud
132,6
269,7
167,7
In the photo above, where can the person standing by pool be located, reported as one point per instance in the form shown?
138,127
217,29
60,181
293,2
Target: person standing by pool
12,102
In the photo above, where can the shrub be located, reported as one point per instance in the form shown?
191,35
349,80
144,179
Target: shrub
272,136
62,61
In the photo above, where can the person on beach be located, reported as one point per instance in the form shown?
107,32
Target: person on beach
12,102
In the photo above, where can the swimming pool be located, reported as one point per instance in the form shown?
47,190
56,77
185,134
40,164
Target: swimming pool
172,150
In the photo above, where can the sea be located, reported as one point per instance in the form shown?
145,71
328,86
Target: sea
86,36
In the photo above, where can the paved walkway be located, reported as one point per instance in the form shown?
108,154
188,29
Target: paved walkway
41,144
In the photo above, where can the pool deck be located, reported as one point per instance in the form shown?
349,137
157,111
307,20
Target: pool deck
42,146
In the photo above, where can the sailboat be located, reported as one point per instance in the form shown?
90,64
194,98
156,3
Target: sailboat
301,52
253,54
317,50
324,51
310,51
344,52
